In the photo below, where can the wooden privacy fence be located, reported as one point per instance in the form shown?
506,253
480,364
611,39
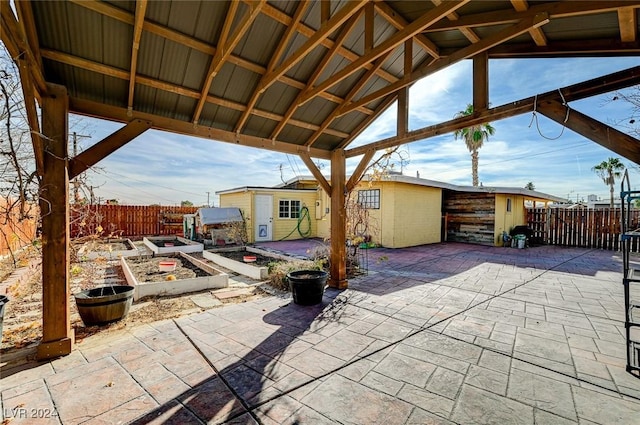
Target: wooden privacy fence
580,227
127,220
15,233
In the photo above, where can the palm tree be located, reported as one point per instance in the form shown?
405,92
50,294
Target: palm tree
474,137
609,171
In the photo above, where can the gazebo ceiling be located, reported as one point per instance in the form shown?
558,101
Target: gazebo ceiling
289,76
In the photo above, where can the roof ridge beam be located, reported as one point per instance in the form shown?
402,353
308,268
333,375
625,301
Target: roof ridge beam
390,44
229,42
464,53
326,29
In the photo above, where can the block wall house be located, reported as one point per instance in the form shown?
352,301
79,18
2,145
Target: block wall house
405,211
273,213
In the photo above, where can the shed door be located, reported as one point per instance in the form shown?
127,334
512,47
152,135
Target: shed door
263,217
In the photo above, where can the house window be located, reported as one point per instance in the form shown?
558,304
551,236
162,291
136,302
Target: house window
508,204
289,208
369,198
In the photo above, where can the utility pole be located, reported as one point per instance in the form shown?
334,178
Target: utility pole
208,205
76,181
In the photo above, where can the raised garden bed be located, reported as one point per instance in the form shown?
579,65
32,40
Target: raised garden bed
189,275
170,244
233,258
111,249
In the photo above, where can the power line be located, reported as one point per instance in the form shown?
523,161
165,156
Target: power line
104,172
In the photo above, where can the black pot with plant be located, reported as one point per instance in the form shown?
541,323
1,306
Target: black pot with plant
307,286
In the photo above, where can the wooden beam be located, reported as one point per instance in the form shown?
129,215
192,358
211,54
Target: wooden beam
467,32
464,53
628,22
364,124
536,34
602,48
325,11
403,94
480,81
559,9
226,46
342,35
141,9
361,168
275,58
28,94
607,83
27,21
16,42
182,91
57,335
307,31
338,272
369,17
606,136
316,172
95,109
107,146
354,90
325,30
399,22
388,45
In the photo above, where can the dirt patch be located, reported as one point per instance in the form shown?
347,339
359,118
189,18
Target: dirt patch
148,269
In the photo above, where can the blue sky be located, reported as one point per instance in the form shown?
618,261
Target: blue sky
166,168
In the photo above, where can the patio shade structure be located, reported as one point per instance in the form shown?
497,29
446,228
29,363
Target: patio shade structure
298,77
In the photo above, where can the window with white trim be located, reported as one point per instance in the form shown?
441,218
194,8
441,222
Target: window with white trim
289,208
369,199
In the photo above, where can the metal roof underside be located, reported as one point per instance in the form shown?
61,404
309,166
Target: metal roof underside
286,75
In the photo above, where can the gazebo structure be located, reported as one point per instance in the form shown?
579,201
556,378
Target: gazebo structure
298,77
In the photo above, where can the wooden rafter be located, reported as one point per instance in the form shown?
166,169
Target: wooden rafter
107,146
388,45
307,31
367,121
560,9
467,32
87,107
480,81
27,21
141,9
275,58
227,43
399,22
172,88
464,53
597,47
402,119
198,45
354,90
32,115
536,33
315,171
628,22
344,33
15,40
325,30
607,136
607,83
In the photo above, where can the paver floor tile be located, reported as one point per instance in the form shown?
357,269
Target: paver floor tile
543,348
329,400
476,406
604,409
544,393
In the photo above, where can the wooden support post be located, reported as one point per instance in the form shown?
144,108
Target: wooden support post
480,81
338,270
57,335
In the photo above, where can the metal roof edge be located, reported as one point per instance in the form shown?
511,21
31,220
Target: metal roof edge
261,189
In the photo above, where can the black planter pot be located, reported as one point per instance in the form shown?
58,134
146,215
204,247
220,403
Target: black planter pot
103,305
3,301
307,286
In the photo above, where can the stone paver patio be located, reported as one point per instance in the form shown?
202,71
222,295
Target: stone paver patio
435,334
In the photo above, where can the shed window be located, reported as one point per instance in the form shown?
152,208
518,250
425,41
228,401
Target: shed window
369,198
508,204
289,208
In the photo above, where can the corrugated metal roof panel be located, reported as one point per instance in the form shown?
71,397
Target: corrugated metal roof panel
314,111
260,42
327,141
174,57
259,126
195,67
604,25
185,108
210,19
277,98
150,54
348,122
295,135
234,83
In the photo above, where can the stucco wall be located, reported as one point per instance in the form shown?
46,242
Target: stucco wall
282,227
244,201
506,220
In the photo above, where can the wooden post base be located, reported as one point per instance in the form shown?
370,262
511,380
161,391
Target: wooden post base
53,349
338,284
